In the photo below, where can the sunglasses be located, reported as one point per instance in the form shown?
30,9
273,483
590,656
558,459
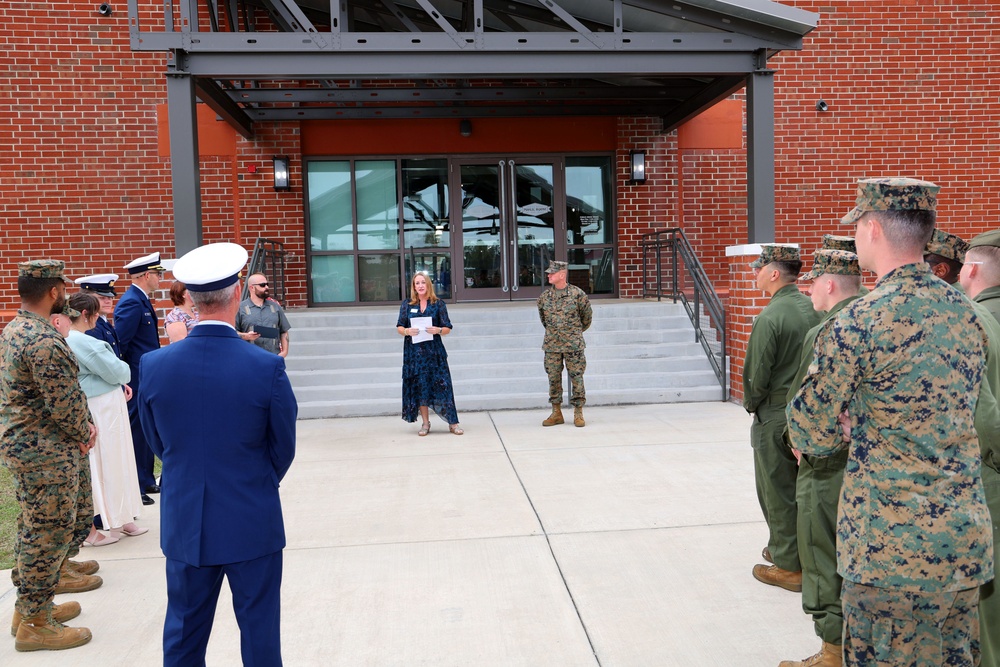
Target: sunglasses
259,285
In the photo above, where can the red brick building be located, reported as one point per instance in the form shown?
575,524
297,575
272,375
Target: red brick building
909,89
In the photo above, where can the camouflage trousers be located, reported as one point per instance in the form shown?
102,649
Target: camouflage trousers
56,512
817,494
891,628
775,472
576,364
989,595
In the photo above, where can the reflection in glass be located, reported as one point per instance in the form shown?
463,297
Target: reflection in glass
592,270
379,276
333,279
425,203
481,226
378,213
331,222
535,223
435,264
588,195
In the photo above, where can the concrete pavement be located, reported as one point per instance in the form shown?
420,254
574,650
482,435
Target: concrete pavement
627,543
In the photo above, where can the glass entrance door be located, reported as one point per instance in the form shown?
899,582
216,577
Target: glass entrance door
506,218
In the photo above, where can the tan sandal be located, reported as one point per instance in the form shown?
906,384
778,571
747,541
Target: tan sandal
425,429
456,429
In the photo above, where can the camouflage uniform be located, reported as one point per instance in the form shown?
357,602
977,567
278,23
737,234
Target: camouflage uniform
565,314
771,361
43,420
818,485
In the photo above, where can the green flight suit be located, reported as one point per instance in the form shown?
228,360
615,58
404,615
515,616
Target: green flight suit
817,492
772,360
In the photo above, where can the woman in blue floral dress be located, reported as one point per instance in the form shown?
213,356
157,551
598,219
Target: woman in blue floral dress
426,378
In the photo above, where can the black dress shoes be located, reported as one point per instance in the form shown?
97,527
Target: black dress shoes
146,500
152,488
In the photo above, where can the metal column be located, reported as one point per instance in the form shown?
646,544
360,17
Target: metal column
760,155
184,172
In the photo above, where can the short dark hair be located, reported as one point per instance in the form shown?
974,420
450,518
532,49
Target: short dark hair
177,293
32,290
84,301
790,269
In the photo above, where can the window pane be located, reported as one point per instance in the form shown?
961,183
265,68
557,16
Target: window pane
588,200
425,204
333,279
378,215
435,264
592,270
379,277
330,213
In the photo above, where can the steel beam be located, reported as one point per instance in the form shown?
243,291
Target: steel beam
512,111
667,91
221,103
760,156
697,102
184,167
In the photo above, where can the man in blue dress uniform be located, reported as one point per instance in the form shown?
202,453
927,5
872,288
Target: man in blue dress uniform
102,285
221,512
138,331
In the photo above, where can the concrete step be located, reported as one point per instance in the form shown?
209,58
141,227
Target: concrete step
347,362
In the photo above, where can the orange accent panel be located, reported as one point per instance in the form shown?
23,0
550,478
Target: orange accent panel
720,126
215,137
441,136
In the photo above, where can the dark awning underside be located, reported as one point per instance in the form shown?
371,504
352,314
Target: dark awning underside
284,60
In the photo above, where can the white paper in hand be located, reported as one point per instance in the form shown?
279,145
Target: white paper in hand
422,323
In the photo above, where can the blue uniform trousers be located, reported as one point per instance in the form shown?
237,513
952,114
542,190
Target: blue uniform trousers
192,594
144,458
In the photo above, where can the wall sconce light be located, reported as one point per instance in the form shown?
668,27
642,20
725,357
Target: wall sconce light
465,127
821,106
281,180
637,160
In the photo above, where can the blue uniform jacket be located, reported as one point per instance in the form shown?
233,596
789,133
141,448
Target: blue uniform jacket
137,327
104,331
221,415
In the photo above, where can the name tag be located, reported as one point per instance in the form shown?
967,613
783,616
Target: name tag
414,310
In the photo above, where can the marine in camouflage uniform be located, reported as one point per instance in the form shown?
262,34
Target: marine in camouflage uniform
903,366
945,254
45,431
566,313
836,279
980,278
772,358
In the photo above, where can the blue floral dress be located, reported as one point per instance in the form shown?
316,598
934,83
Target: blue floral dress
426,378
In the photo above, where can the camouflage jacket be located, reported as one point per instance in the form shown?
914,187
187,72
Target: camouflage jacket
907,361
807,346
565,314
43,412
774,348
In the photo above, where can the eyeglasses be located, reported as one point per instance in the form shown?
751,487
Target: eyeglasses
259,285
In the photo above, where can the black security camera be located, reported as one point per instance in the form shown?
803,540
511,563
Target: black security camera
105,9
821,106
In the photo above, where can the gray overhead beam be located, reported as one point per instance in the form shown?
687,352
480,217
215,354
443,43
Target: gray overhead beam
401,16
788,33
513,111
491,94
222,104
694,104
541,43
760,155
184,167
442,23
569,20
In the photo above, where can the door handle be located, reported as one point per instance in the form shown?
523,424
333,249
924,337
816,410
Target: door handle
503,228
512,256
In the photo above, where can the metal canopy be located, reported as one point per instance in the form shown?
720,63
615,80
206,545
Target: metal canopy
283,60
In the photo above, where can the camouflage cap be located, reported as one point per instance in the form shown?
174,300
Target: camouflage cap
70,312
947,245
892,194
42,268
831,242
556,266
775,253
839,262
991,238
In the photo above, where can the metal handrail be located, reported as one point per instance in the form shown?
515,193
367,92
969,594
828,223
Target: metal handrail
671,245
268,258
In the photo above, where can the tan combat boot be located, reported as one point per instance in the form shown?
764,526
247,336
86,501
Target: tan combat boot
830,655
554,418
84,566
72,582
41,633
60,614
578,416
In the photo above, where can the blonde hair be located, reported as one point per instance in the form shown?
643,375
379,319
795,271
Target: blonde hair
431,296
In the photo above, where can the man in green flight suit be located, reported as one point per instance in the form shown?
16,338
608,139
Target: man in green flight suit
772,358
896,378
45,430
836,279
980,278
